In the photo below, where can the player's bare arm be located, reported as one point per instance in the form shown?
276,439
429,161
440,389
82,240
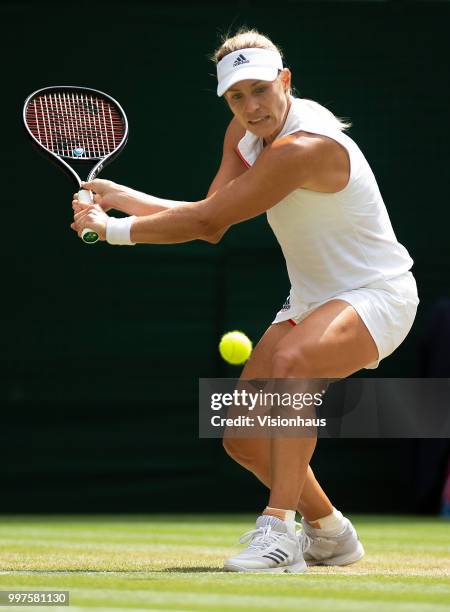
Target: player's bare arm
290,163
231,165
230,168
125,199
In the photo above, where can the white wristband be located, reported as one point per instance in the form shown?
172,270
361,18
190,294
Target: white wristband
118,230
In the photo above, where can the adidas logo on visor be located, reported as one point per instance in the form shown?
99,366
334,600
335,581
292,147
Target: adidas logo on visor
241,59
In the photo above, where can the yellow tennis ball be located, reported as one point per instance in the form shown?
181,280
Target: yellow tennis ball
235,347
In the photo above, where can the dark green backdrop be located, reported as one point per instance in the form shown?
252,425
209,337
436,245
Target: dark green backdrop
103,346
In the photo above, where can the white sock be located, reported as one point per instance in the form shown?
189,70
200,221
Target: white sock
285,515
332,524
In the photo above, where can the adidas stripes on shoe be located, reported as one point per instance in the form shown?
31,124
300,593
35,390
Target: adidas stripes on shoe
273,548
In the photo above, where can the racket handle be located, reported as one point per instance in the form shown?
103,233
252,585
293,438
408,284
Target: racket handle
88,236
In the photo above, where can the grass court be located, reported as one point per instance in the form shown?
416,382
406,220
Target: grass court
173,562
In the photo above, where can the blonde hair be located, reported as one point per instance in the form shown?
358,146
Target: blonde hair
243,39
246,38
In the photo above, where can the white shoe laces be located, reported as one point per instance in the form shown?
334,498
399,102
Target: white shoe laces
304,539
261,537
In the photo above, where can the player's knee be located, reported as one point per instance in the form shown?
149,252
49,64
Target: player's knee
282,364
287,363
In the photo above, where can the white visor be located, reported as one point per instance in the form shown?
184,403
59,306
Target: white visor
257,64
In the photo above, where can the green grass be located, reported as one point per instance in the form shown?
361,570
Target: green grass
174,563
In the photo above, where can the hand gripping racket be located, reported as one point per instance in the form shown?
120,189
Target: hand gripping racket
78,128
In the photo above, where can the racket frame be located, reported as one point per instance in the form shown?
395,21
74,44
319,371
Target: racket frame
59,160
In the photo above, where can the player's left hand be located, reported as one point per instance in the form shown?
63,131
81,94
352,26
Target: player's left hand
91,216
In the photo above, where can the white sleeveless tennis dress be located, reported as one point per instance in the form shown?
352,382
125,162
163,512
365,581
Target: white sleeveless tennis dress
341,245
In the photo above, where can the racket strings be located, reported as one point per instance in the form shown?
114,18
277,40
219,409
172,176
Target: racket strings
75,125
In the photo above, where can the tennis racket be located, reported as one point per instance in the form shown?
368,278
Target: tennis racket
80,129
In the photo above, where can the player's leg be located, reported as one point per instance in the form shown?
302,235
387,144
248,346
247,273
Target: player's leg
314,350
275,545
254,453
332,342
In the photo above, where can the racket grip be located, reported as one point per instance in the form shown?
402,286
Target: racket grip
88,236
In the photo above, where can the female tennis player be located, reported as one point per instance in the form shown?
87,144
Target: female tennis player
353,298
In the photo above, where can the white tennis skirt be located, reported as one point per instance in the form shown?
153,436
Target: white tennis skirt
387,307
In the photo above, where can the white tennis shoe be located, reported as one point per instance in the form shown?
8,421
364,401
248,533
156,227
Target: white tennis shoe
341,549
273,547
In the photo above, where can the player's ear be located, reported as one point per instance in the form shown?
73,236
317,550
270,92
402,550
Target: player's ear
285,78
